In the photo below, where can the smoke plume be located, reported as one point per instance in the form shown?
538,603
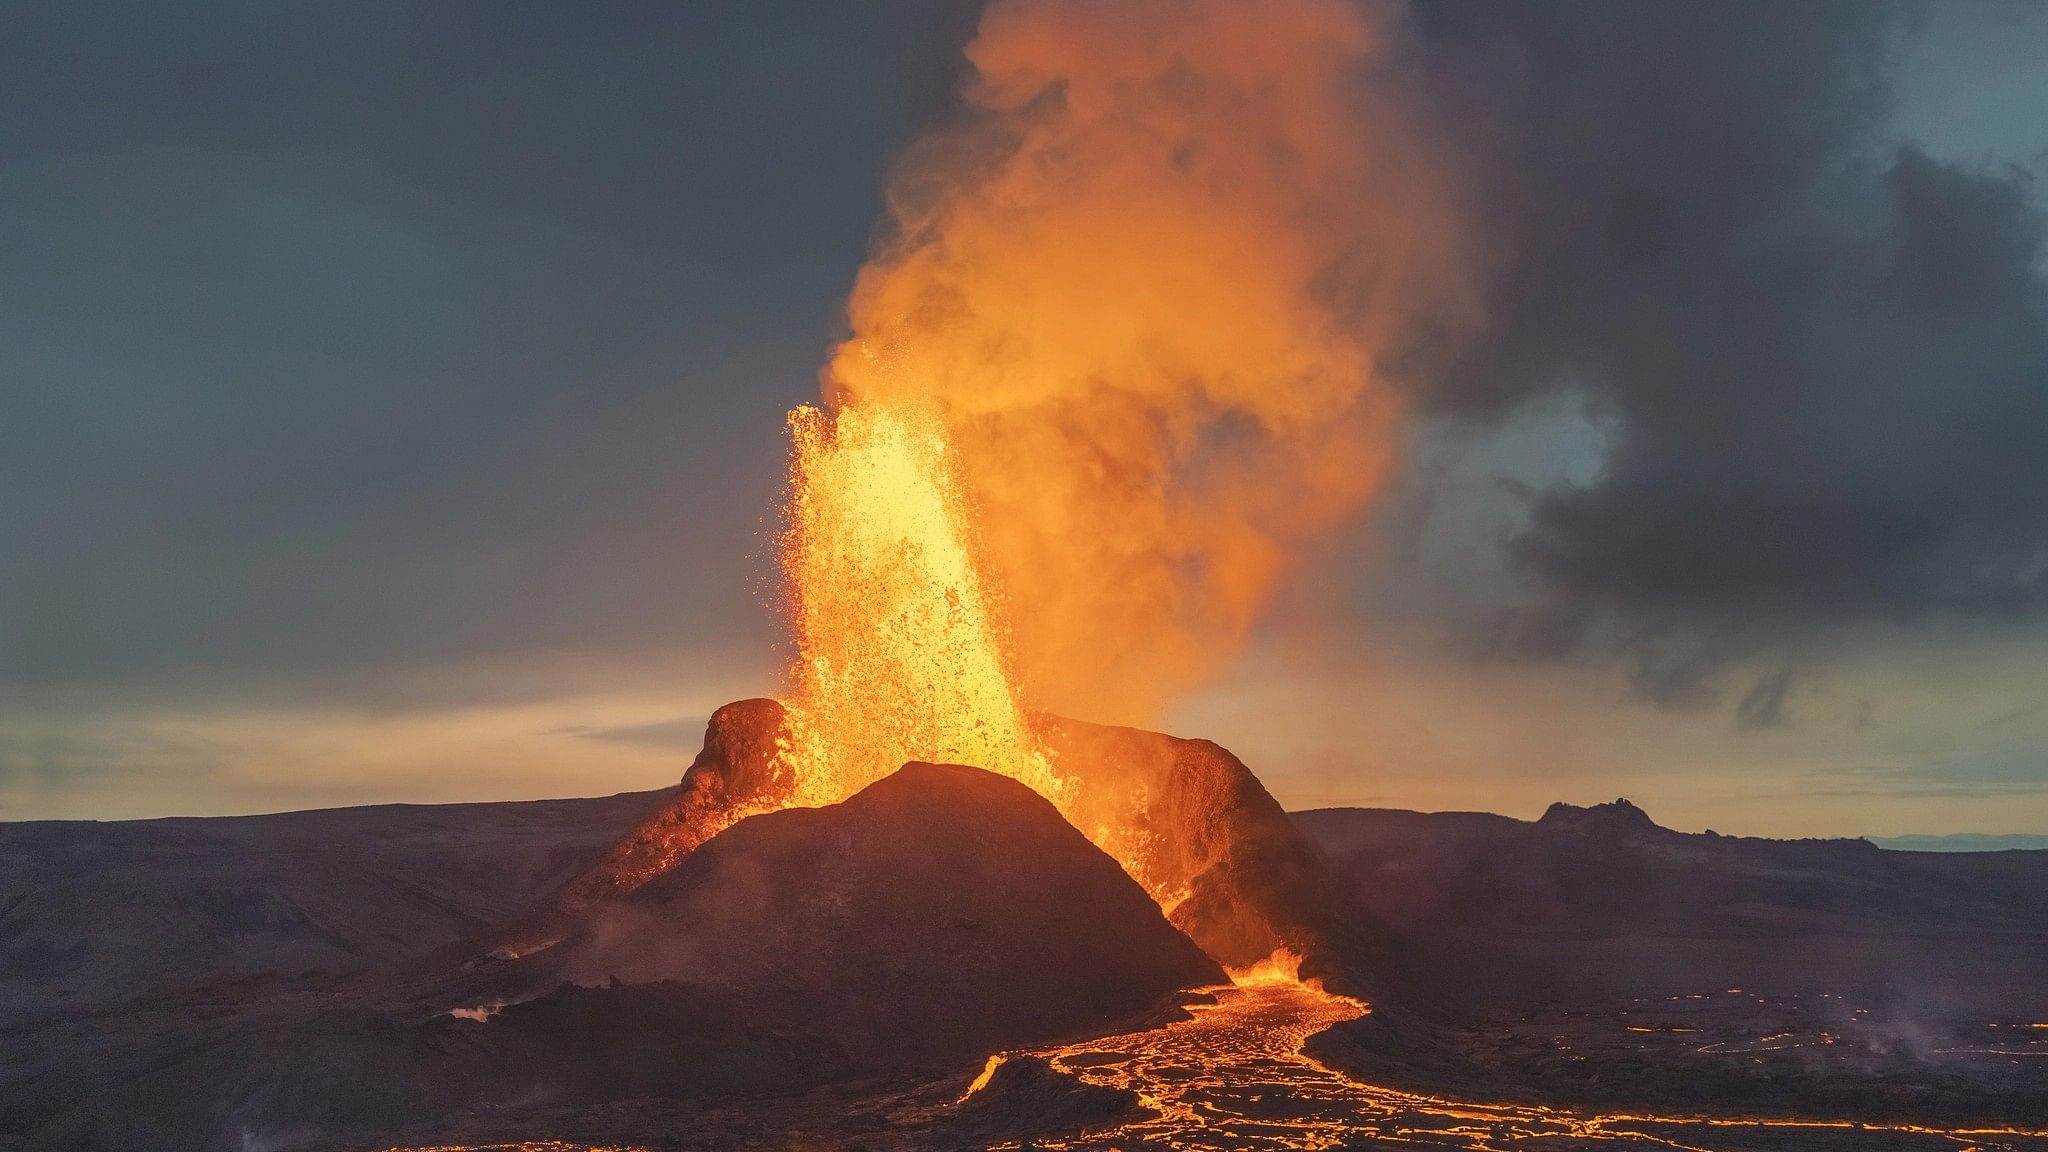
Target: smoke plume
1156,279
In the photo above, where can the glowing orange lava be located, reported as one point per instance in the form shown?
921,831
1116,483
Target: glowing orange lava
899,655
901,651
1234,1075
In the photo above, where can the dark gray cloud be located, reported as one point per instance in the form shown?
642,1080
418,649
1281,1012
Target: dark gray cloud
1823,353
1763,706
409,358
374,334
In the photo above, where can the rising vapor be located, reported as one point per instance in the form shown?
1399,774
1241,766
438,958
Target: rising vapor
1154,281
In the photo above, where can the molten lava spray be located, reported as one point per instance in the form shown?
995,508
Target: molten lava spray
900,658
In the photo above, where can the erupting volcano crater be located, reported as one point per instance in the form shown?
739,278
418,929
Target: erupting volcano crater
727,884
1217,852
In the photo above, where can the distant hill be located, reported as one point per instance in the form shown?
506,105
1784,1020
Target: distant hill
1591,957
1963,842
1600,901
91,910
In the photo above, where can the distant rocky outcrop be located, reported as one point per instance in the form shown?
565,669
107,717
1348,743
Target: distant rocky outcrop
1616,819
1601,901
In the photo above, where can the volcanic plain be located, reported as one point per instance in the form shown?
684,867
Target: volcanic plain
943,961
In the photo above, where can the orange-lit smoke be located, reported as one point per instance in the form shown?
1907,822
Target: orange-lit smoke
1148,288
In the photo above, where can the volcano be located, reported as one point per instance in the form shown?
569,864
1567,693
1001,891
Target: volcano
723,885
1244,881
943,906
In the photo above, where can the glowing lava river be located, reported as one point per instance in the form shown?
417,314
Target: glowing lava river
1234,1076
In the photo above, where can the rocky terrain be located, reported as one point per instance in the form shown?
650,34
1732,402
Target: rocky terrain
1602,902
937,913
626,969
94,911
940,914
1594,957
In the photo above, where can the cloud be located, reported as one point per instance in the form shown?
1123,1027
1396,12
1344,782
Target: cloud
115,759
685,735
1763,706
1822,352
382,369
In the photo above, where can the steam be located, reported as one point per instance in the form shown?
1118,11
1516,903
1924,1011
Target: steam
1153,282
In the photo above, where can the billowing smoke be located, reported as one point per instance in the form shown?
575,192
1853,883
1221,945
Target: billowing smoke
1156,280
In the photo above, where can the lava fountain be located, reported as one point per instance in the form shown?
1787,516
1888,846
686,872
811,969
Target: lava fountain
900,655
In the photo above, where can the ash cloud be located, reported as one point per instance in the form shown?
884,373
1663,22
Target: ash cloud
1824,351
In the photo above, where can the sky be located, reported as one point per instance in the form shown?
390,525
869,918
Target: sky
392,400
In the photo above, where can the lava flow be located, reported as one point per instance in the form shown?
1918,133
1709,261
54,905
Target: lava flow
1234,1076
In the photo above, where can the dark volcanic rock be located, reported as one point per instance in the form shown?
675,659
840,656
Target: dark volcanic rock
1242,880
1025,1100
946,907
736,773
939,915
1593,957
1614,820
1602,901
